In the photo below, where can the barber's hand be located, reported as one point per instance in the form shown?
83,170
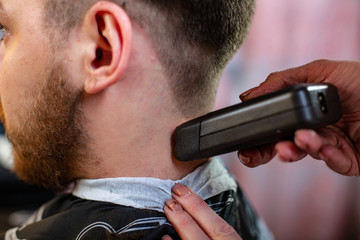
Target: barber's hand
338,145
192,218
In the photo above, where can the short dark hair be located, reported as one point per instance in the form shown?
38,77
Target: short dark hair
195,39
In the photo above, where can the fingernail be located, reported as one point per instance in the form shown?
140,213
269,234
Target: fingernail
321,155
244,159
174,205
180,190
245,94
166,237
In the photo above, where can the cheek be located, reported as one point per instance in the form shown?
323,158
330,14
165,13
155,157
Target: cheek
21,75
2,52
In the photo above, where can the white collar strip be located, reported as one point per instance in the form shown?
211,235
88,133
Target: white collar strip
208,180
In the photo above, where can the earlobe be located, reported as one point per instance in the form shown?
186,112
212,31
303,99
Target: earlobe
111,33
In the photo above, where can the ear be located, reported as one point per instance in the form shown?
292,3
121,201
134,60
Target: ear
110,31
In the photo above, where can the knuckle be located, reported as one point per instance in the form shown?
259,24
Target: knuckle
224,230
184,221
198,205
272,75
320,61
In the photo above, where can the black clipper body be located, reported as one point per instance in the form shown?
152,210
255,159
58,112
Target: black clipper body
262,120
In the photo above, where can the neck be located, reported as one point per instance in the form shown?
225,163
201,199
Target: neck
132,138
131,122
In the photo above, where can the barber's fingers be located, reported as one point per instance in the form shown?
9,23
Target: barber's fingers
314,72
184,224
333,146
257,156
306,142
166,237
192,218
276,81
310,141
339,162
328,145
289,152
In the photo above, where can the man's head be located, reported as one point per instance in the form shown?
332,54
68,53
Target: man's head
194,39
59,56
39,108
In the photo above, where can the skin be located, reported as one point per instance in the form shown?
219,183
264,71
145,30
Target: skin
39,119
124,112
194,219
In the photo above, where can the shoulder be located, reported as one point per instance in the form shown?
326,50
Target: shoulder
69,217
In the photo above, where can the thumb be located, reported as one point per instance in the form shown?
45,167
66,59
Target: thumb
275,81
166,237
314,72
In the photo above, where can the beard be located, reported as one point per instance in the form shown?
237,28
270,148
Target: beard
50,146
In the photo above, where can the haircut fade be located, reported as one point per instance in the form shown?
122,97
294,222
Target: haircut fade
195,39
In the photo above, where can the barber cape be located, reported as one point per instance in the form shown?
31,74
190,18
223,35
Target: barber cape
132,208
